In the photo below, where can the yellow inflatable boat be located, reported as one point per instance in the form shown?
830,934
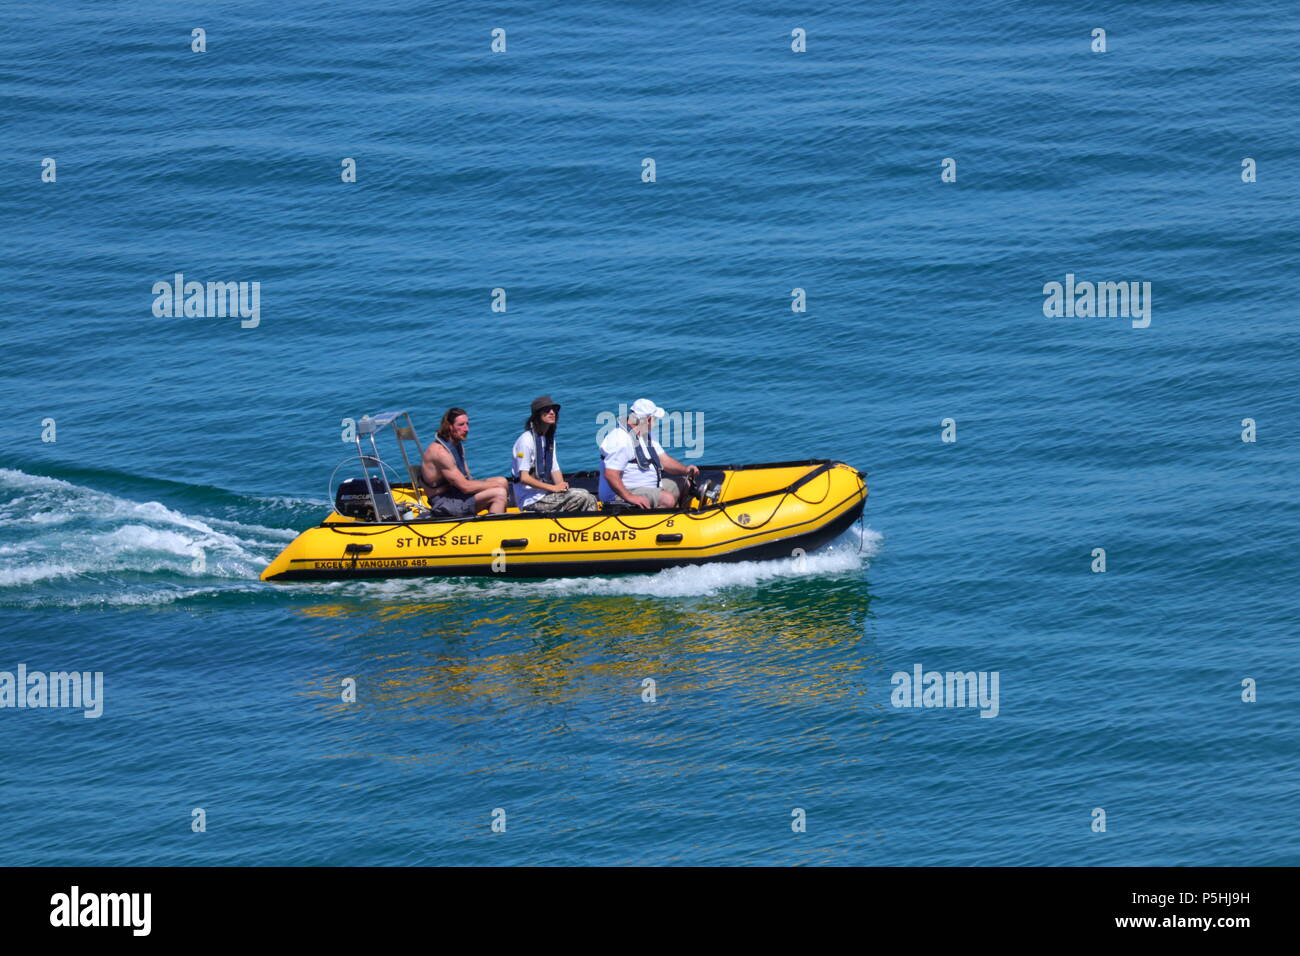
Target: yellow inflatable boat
383,529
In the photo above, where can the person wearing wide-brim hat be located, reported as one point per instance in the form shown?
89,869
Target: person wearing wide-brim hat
539,482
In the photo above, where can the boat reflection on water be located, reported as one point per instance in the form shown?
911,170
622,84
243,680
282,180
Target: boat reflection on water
804,635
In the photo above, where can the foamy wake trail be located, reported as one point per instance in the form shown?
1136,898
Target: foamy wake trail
848,553
69,545
75,540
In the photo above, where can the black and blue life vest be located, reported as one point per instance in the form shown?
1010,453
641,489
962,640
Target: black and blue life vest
458,454
543,456
646,458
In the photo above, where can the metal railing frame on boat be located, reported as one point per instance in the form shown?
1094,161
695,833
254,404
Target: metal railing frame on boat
367,428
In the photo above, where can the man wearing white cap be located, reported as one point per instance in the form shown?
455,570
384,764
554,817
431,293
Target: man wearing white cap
633,464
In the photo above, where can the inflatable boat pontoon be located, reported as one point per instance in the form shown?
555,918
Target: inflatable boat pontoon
383,529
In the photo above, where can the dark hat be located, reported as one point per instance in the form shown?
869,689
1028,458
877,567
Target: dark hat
544,402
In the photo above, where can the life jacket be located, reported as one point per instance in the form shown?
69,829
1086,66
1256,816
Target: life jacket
543,452
458,455
646,458
542,466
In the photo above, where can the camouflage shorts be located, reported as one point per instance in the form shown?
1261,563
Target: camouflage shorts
575,499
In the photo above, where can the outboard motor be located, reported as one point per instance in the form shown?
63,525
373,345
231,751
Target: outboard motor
353,497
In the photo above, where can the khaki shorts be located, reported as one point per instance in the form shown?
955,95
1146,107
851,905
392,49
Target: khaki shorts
656,495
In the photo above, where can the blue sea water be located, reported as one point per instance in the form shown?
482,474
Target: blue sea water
774,171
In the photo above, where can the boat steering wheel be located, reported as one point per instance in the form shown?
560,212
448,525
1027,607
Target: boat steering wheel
700,490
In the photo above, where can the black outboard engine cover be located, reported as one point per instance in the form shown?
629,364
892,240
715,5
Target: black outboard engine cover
353,498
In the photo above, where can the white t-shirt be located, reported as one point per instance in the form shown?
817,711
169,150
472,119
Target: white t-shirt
620,456
525,453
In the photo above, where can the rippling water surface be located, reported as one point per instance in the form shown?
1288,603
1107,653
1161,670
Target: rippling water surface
180,437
